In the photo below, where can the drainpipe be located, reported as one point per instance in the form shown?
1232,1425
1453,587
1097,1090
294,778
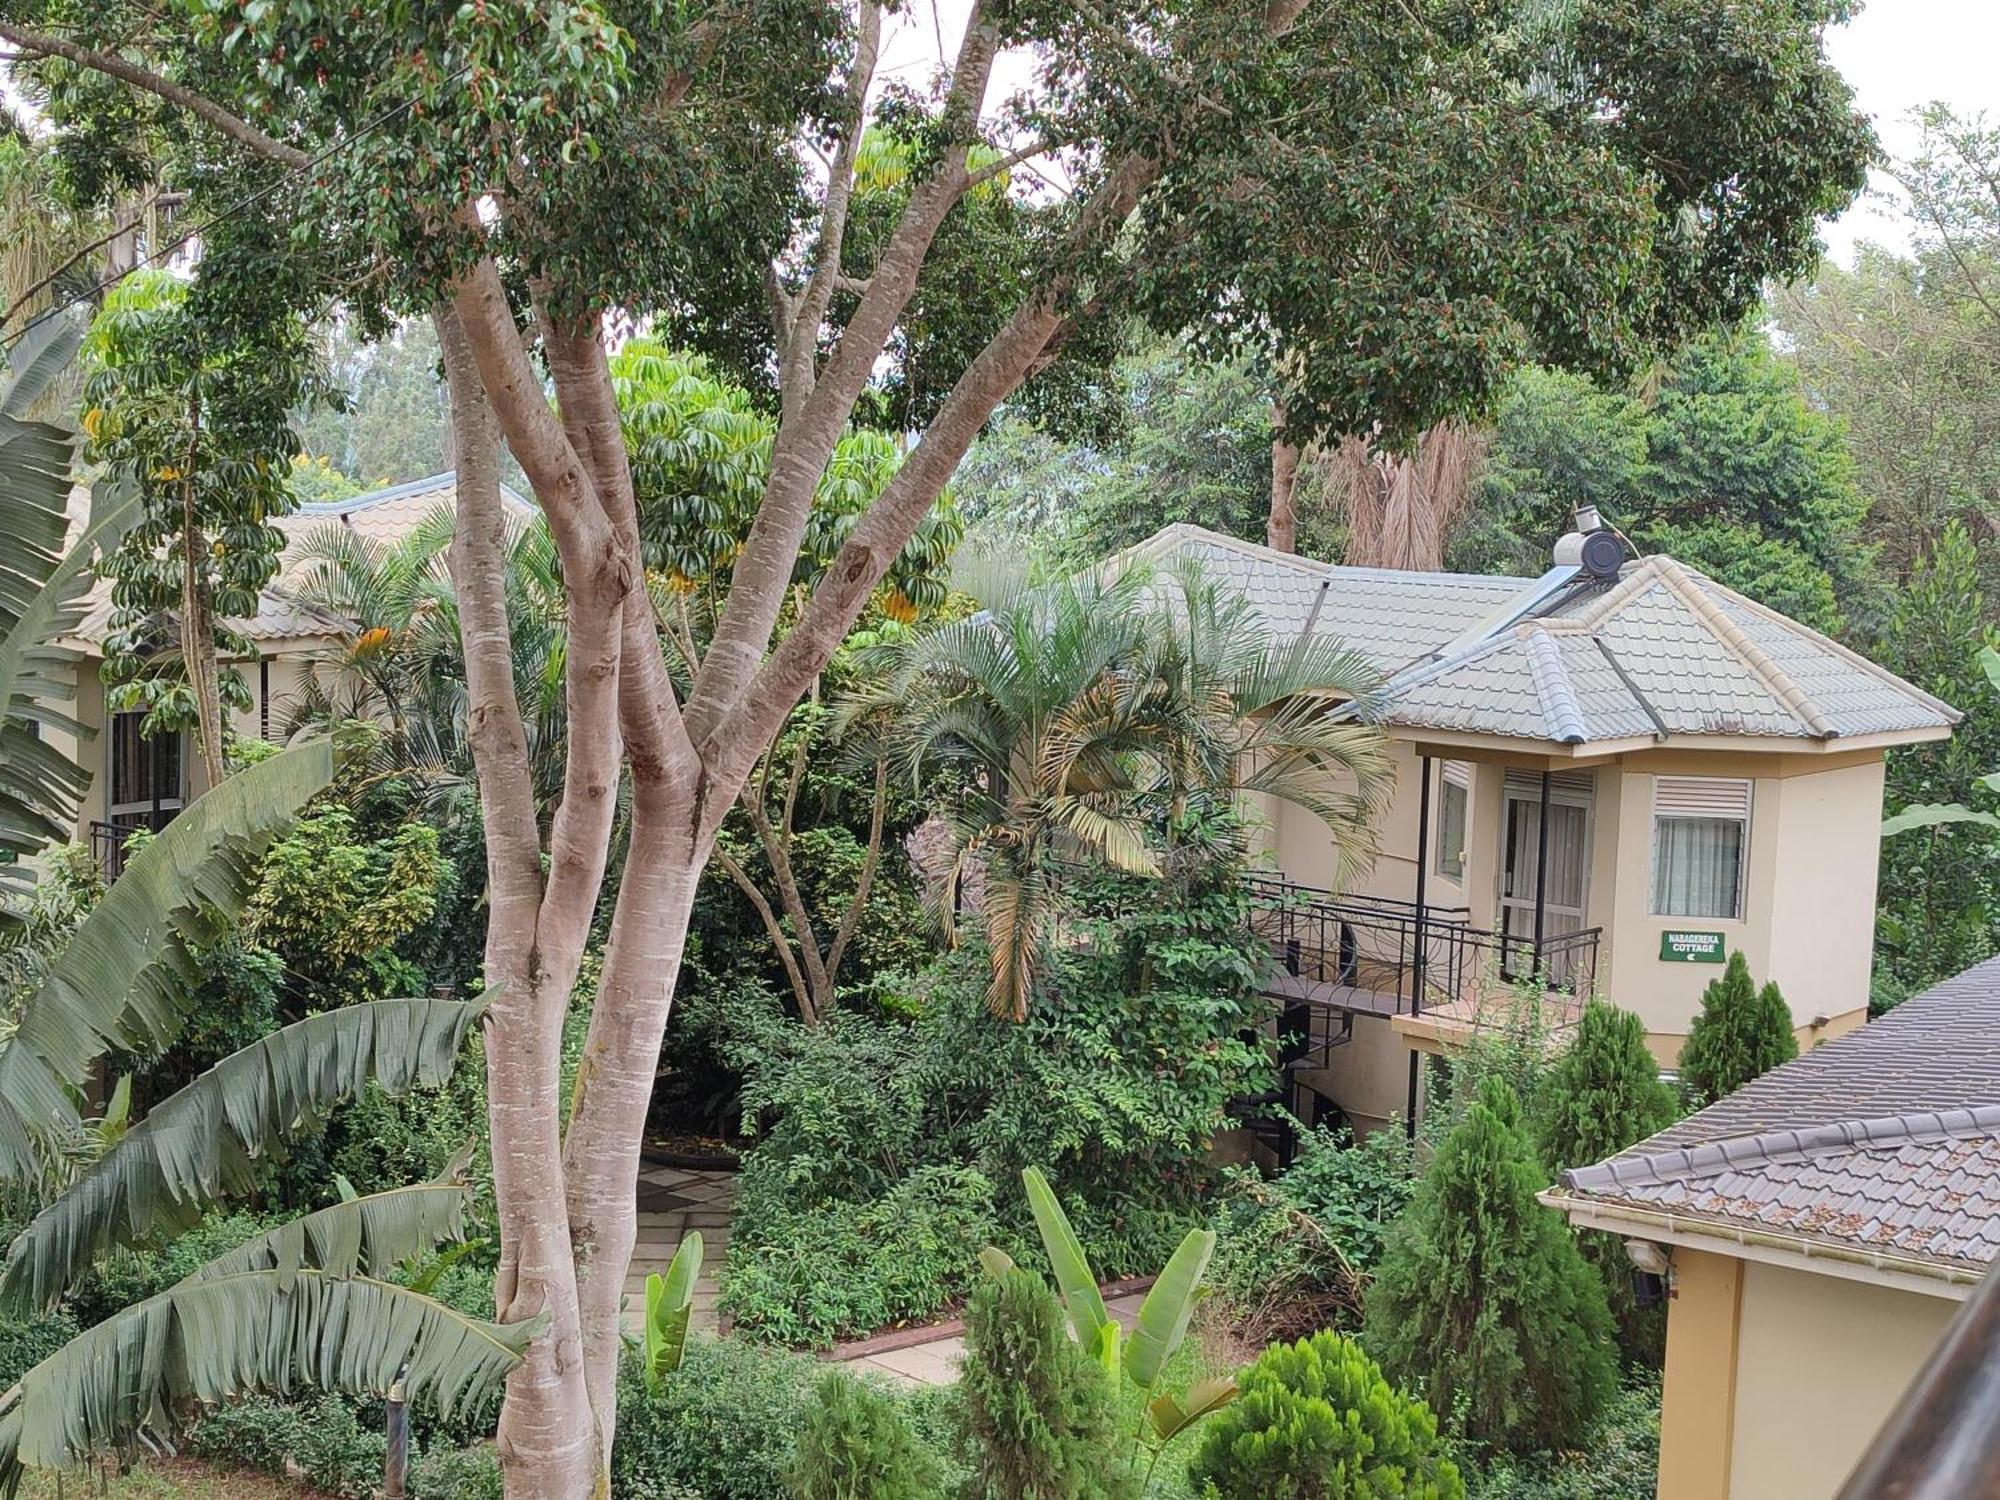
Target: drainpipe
1541,872
1417,932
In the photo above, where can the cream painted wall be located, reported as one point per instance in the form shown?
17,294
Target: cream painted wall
1820,1362
1368,1075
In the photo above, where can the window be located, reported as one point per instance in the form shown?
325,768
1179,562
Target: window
1701,839
1454,794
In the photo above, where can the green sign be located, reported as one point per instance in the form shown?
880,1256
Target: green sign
1692,947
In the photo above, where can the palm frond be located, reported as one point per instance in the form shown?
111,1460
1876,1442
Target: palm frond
203,1143
370,1235
118,982
137,1375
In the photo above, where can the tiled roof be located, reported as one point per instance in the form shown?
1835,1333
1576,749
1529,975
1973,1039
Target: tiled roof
383,516
1663,652
1886,1139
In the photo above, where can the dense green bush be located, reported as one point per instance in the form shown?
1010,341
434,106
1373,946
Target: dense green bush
725,1426
1292,1253
841,1270
1315,1420
26,1343
1482,1301
1043,1417
1618,1460
856,1445
458,1474
322,1438
1741,1033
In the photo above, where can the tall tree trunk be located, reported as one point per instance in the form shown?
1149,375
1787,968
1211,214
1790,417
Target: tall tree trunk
1281,532
197,619
1401,507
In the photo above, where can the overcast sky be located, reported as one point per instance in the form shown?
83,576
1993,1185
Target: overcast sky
1897,54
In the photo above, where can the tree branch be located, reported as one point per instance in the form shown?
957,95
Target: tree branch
851,921
114,66
774,928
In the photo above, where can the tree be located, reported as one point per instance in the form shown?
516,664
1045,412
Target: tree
1602,1095
1081,714
856,1445
199,424
1406,201
1042,1413
1741,1033
1401,507
1316,1421
1482,1301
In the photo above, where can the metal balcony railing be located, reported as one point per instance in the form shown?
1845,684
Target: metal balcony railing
108,840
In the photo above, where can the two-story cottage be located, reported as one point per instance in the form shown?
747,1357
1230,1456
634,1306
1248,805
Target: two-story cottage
1613,776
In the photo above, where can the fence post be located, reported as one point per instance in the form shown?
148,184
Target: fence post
396,1460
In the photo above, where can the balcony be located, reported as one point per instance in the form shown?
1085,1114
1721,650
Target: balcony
1368,955
108,840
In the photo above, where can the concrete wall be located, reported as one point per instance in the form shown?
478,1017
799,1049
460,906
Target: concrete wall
1820,1363
1368,1076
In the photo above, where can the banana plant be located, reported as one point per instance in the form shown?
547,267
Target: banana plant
669,1306
1160,1329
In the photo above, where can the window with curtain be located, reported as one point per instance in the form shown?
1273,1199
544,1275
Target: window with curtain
1454,795
1701,837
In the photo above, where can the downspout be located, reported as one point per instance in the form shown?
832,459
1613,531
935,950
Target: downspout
1541,872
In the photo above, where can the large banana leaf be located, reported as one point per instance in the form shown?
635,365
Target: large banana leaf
203,1143
119,981
669,1308
219,1338
1164,1315
1095,1328
374,1233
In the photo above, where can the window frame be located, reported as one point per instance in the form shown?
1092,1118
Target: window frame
1703,799
1453,776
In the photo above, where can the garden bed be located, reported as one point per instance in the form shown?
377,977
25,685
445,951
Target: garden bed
891,1339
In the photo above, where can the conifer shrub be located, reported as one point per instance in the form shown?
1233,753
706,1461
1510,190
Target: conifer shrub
1482,1300
1041,1414
1742,1033
855,1445
1600,1096
1316,1420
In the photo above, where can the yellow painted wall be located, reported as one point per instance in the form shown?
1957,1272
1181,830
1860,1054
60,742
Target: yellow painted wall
1368,1075
1698,1395
1820,1362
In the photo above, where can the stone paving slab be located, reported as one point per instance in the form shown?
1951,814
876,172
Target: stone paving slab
672,1201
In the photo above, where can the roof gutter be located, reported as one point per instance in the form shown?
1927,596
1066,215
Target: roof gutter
1935,1278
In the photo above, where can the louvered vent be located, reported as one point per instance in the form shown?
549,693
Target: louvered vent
1701,797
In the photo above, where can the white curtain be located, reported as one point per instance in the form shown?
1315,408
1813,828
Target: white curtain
1697,867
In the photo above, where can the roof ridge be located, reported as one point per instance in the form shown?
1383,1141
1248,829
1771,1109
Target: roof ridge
1776,1147
1552,686
1846,653
1774,677
369,498
1613,599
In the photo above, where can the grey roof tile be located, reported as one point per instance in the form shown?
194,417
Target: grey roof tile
1885,1139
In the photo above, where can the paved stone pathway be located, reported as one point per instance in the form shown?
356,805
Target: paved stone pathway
936,1362
673,1200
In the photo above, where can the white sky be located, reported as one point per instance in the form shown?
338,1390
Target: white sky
1897,53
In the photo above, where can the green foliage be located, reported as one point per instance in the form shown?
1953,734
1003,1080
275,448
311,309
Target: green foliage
1482,1301
1316,1421
728,1424
1618,1459
817,1274
669,1305
1603,1094
1726,468
856,1445
458,1474
1294,1251
334,905
1741,1033
321,1440
1041,1412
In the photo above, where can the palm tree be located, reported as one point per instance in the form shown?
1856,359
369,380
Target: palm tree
309,1296
1088,714
401,665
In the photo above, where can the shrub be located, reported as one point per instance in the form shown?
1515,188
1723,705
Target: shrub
857,1446
458,1474
321,1438
1315,1420
1292,1253
1482,1300
26,1343
1602,1095
1042,1416
725,1426
1619,1460
814,1276
1741,1033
